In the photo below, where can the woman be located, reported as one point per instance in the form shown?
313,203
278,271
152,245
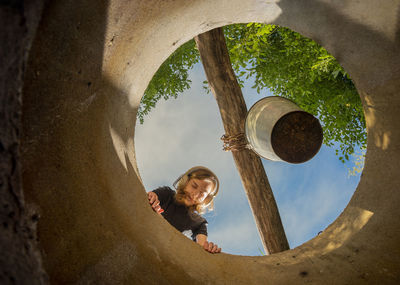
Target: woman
195,192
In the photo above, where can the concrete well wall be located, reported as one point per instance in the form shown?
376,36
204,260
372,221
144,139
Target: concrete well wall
88,68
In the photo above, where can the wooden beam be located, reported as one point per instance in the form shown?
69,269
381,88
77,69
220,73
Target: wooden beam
223,83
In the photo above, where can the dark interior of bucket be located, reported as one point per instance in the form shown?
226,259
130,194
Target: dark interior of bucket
297,137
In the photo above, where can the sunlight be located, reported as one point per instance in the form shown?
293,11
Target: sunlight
356,219
121,147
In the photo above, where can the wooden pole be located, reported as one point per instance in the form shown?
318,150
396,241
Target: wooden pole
222,80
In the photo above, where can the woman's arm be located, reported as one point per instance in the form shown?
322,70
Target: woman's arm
209,246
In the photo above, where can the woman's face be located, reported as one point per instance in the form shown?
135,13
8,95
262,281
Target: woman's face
197,190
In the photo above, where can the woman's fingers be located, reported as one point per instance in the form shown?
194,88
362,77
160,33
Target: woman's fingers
211,247
158,209
154,202
156,206
216,249
152,197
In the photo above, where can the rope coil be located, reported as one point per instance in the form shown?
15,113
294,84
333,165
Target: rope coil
236,142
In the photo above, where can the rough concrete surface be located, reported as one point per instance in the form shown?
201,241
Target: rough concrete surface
20,261
88,68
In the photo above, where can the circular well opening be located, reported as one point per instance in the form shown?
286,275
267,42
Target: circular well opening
184,131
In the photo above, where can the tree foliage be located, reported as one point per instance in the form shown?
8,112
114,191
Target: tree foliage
171,79
287,64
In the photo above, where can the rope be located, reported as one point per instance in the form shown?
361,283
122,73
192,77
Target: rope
235,142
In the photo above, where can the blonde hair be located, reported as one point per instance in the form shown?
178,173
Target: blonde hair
202,173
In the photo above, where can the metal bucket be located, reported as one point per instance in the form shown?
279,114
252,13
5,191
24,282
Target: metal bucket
277,129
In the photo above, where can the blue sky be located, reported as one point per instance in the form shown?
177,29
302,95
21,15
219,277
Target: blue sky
185,132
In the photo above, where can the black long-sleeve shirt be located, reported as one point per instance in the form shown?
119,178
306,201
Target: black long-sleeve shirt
178,215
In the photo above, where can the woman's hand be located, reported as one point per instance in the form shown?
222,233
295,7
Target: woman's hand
154,202
211,247
208,246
